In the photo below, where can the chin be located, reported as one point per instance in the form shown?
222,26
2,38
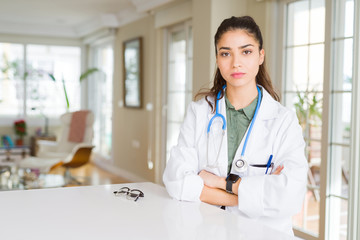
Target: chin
239,83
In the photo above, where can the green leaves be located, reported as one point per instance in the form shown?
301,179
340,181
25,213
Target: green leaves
308,106
83,76
52,77
88,73
66,96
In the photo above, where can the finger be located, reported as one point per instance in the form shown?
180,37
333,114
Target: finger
202,172
278,170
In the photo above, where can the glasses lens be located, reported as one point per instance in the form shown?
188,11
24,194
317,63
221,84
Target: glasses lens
134,194
122,191
138,192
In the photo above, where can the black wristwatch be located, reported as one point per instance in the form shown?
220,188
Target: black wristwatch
230,180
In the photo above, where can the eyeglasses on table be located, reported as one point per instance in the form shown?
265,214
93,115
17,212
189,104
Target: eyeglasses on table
131,194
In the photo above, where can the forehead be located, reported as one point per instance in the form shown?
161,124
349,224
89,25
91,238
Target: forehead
236,38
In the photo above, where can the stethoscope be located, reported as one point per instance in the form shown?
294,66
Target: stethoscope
239,165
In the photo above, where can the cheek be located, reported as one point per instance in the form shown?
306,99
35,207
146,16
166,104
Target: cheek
254,66
222,67
254,69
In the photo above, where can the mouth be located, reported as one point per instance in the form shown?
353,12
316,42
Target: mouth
237,75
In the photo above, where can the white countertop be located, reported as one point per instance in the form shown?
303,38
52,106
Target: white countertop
95,213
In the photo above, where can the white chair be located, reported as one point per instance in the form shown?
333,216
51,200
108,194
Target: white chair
63,152
63,147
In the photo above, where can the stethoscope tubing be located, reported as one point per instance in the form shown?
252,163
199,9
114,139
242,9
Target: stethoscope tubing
217,114
252,122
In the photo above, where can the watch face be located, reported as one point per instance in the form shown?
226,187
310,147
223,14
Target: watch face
233,177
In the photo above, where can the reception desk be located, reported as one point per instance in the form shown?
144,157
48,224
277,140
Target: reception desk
95,213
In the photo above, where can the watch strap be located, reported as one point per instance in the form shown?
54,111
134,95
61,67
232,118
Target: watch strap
229,185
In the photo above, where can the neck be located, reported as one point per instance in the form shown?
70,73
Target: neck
241,97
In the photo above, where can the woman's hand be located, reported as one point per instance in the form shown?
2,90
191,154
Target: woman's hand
214,190
211,180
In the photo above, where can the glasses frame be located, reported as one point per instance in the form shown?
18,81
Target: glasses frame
131,194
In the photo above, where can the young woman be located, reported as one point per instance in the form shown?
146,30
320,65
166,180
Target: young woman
239,148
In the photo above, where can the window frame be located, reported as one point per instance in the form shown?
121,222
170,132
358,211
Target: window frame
354,193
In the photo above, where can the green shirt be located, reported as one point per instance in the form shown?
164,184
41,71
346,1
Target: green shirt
237,123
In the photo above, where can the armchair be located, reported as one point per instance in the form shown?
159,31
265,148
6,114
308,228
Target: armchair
63,147
65,152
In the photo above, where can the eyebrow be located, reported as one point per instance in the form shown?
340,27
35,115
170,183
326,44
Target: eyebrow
241,47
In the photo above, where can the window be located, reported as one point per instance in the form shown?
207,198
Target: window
26,87
11,79
340,119
304,68
100,97
179,81
314,86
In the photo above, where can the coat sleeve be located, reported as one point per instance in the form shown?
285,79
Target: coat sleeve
278,195
181,173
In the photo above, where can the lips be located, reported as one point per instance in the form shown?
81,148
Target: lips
237,75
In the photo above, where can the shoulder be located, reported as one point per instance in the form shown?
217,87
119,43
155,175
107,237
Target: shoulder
201,105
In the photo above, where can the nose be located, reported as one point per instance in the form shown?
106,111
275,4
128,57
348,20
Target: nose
236,61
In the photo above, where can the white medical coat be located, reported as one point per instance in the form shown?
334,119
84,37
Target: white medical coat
270,199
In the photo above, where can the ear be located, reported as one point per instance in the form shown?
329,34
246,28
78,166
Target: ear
262,56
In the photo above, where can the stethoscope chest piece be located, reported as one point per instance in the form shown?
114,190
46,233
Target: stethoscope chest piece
240,166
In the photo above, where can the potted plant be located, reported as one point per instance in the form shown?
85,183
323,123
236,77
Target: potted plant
83,76
20,131
308,108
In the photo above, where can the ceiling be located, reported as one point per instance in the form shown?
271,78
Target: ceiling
70,18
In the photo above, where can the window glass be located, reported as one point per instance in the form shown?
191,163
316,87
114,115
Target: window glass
100,98
177,110
343,67
316,63
11,79
345,12
298,23
48,97
317,21
297,68
179,81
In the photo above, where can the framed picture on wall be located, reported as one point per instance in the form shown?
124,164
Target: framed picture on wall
132,69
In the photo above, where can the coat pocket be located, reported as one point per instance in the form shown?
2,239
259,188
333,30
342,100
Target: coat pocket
257,170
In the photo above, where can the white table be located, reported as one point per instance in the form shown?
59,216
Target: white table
95,213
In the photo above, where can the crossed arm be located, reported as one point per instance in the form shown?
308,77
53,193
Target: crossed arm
214,191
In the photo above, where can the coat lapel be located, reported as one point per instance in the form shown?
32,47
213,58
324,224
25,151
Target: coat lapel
268,110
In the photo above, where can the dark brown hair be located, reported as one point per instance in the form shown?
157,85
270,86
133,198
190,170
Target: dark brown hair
248,24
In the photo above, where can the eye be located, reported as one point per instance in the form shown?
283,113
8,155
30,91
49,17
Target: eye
247,52
224,54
